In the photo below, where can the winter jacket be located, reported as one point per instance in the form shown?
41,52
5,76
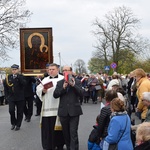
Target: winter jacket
94,140
143,85
120,124
104,120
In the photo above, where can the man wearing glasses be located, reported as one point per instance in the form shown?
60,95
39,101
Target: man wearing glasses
14,93
69,90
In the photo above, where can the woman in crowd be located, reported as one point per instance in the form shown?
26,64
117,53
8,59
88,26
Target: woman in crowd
105,113
143,136
114,81
92,82
119,127
101,91
143,85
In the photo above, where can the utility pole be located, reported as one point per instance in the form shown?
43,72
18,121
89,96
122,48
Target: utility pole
59,61
71,66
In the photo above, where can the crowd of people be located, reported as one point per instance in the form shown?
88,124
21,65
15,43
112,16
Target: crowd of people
59,107
115,128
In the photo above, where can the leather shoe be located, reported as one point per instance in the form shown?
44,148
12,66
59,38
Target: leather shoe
60,147
27,120
17,128
12,127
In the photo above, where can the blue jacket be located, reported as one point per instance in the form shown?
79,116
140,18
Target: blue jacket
115,130
93,146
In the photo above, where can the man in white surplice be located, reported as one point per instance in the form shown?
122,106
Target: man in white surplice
50,137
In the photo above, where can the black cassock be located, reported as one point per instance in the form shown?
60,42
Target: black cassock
51,138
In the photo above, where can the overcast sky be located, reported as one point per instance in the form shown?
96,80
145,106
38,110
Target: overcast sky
71,21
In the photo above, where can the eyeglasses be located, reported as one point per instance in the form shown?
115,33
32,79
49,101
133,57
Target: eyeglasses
65,70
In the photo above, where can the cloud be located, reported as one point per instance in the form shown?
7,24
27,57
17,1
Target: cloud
71,21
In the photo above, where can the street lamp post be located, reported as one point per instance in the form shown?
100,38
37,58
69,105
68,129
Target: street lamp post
59,60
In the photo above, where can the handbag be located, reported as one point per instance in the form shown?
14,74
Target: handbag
97,87
115,145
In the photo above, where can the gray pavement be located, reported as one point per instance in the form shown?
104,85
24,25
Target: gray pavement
28,137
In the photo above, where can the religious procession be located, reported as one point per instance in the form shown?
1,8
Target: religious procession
100,104
59,98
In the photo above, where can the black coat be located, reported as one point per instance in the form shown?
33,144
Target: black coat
69,98
93,137
14,88
104,120
143,146
129,85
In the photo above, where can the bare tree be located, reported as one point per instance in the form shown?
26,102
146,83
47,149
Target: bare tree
117,33
80,66
102,52
13,15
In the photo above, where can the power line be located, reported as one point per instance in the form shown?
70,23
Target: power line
61,59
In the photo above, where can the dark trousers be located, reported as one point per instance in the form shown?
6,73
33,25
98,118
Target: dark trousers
1,100
38,105
51,138
16,112
70,131
81,99
28,107
133,100
94,96
86,99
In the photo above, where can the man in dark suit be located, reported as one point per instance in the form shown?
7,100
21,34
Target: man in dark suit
14,93
69,109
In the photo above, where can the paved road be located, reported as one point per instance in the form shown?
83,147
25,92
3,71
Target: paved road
28,138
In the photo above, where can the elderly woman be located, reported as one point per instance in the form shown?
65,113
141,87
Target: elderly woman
92,82
143,85
114,81
119,127
146,102
143,136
